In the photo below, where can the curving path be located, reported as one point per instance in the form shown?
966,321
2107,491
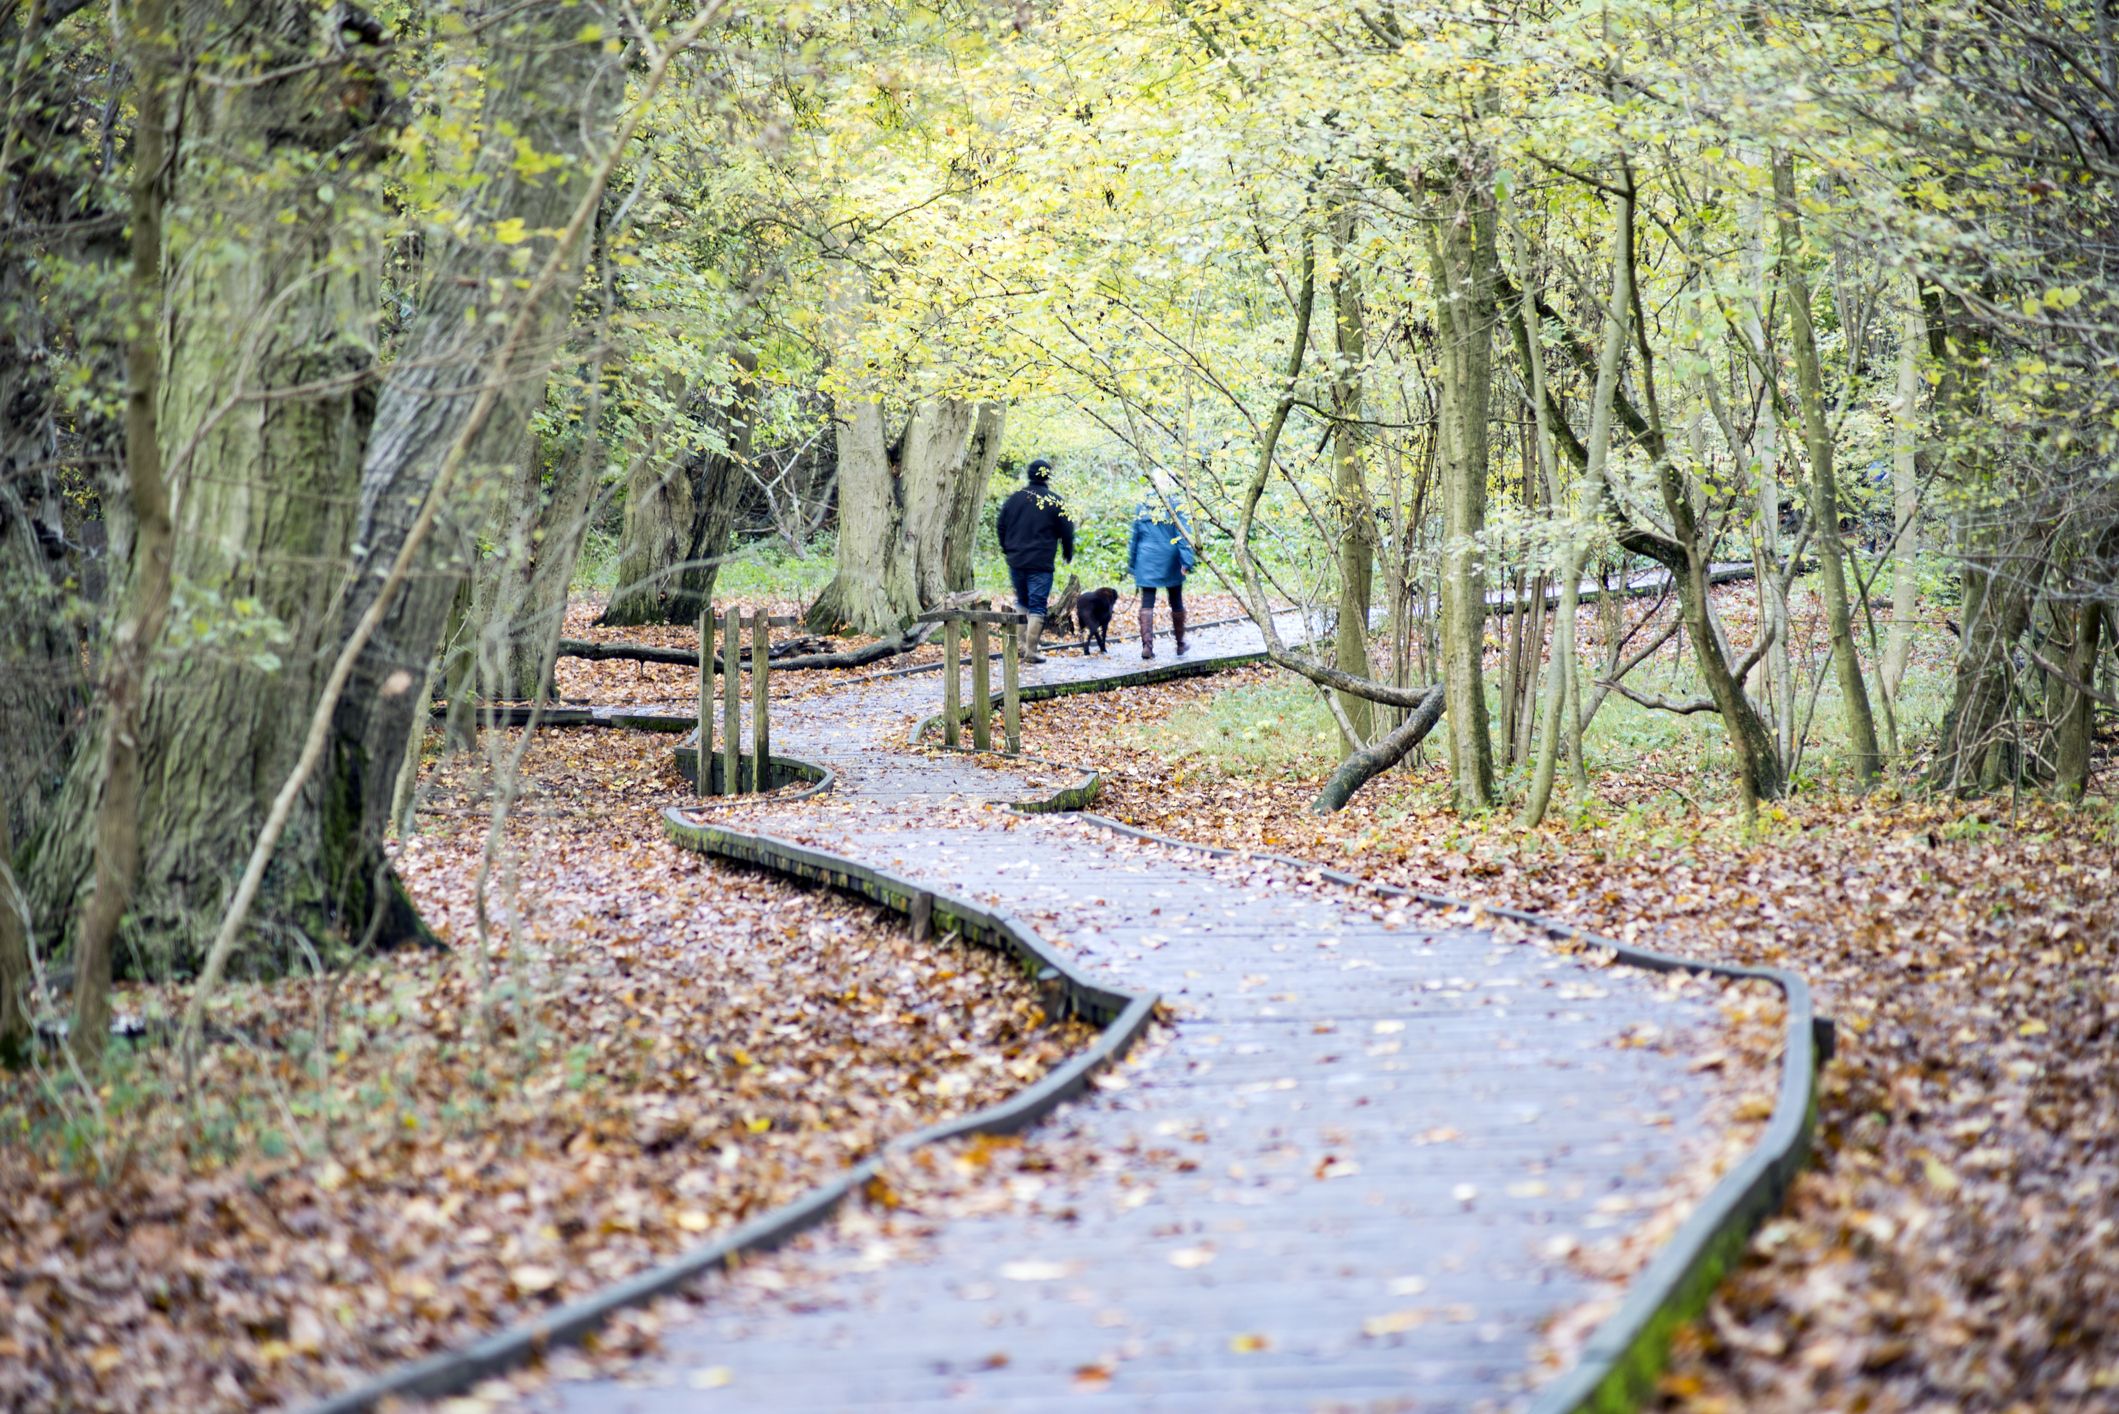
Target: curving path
1344,1177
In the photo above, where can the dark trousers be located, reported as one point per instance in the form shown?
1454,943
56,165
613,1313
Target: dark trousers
1031,590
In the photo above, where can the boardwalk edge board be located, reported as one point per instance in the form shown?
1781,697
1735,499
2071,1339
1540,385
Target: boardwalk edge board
1121,1015
1617,1369
1045,691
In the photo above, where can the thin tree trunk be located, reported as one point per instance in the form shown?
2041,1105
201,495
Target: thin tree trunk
1461,251
1905,509
1824,482
16,976
1369,762
1590,490
117,839
1765,450
1350,647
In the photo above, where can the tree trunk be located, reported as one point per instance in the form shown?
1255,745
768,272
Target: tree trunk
16,975
1369,762
659,513
56,249
899,507
679,522
716,480
2078,714
524,586
262,437
117,818
1824,481
550,88
980,460
1461,249
1905,505
1561,687
1357,552
1765,542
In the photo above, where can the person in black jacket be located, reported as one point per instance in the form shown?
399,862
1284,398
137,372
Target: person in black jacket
1032,524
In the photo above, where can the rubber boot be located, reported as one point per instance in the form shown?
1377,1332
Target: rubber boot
1177,629
1032,638
1147,630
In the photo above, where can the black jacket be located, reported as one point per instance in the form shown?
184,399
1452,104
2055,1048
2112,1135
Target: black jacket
1032,522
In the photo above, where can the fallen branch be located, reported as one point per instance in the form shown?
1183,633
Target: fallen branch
689,657
1370,762
1660,704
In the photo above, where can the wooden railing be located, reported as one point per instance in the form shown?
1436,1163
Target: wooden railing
981,623
734,626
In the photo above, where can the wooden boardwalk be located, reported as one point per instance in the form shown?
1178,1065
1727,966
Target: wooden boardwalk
1345,1176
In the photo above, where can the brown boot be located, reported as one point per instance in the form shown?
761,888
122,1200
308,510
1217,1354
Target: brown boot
1177,629
1147,630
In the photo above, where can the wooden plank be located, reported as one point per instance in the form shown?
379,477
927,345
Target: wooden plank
731,704
761,669
981,688
970,616
1011,692
952,686
704,772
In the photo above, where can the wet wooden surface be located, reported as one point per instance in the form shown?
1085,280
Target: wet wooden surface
1343,1177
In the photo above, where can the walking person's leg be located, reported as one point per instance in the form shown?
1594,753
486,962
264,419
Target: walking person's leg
1036,590
1177,616
1147,621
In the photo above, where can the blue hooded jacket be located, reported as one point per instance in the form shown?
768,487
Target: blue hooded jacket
1160,554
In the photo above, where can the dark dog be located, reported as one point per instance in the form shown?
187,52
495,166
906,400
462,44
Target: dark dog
1092,615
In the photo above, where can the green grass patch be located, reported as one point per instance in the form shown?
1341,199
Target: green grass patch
1255,732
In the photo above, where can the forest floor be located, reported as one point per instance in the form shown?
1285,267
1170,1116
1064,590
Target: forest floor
1952,1247
1956,1243
646,1049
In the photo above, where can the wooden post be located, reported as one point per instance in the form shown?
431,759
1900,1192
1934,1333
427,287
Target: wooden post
1011,690
952,686
761,732
731,703
703,774
981,688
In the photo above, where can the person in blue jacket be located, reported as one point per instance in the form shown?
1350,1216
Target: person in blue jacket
1159,556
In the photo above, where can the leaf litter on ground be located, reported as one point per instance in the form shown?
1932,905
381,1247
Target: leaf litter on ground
413,1152
1955,1243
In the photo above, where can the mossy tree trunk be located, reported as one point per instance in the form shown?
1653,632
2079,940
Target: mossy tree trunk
261,436
57,242
2078,706
716,481
906,505
552,90
680,510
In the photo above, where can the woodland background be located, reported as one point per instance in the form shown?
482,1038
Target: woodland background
354,360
